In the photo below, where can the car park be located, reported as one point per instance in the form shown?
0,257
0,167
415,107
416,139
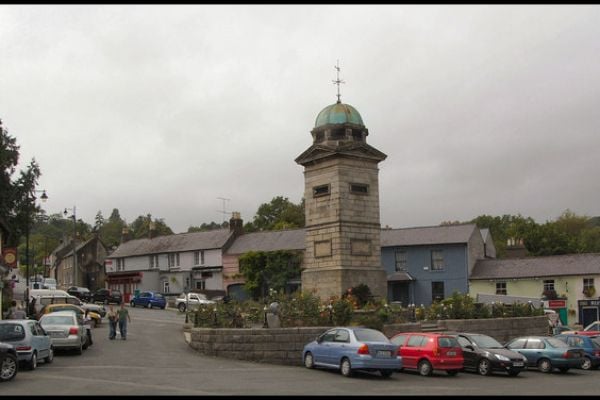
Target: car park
29,340
589,344
428,352
107,296
9,363
484,354
547,353
352,348
66,330
150,300
191,299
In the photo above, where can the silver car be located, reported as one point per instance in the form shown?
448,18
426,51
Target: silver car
29,339
66,330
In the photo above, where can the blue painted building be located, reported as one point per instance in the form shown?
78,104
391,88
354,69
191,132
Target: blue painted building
430,263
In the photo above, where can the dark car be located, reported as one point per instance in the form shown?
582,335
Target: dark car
9,363
82,293
589,344
150,300
547,353
107,296
485,354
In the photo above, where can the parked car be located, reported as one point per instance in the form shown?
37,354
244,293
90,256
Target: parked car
592,329
98,309
49,283
193,299
150,300
485,354
589,344
66,330
82,293
427,352
9,363
546,353
107,296
50,308
351,349
29,340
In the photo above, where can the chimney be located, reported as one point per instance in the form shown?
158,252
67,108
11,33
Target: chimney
236,224
151,230
125,235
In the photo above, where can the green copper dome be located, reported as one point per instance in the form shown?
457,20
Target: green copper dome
338,113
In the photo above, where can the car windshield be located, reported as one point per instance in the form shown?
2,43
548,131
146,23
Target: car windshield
11,332
447,341
556,343
369,335
57,320
593,327
158,296
486,342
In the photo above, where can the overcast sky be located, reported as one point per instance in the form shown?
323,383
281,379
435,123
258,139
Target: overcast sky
165,109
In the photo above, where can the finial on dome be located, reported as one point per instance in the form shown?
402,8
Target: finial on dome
338,81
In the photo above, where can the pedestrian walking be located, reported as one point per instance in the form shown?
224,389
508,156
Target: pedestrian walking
87,323
123,319
112,322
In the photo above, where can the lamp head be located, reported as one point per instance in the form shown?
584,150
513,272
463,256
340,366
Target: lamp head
44,196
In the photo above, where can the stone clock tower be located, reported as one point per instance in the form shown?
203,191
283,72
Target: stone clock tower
341,193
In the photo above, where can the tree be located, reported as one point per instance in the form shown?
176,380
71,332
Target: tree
208,227
110,232
269,270
99,221
140,228
279,214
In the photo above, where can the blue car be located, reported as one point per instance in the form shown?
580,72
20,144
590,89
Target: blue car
589,344
546,353
351,349
150,300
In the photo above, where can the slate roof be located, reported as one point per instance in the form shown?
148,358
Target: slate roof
292,239
180,242
447,234
532,267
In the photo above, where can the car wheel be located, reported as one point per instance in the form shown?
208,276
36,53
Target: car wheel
484,367
563,370
544,365
33,362
309,362
346,368
386,373
149,305
181,307
50,357
587,363
79,350
452,372
9,368
425,368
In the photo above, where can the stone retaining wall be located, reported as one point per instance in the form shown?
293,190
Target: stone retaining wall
284,345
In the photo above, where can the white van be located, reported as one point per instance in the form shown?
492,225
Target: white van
49,283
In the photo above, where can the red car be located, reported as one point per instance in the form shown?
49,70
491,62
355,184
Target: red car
428,352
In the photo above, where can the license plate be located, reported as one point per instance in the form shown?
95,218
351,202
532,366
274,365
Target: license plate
384,353
451,353
518,364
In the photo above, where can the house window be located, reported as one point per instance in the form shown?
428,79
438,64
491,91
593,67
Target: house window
322,190
549,284
501,288
177,259
120,264
588,283
173,259
401,263
437,291
359,188
437,260
166,287
201,285
199,257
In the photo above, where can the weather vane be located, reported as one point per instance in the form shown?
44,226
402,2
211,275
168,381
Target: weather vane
338,81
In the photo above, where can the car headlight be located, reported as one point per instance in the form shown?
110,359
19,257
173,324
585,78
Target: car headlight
501,357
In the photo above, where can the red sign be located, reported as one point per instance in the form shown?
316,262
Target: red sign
10,256
557,303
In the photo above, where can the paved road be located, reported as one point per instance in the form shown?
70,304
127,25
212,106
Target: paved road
155,360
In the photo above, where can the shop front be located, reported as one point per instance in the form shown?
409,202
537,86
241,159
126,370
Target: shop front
560,306
125,282
589,311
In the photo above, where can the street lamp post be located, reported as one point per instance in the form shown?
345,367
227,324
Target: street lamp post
30,200
74,216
